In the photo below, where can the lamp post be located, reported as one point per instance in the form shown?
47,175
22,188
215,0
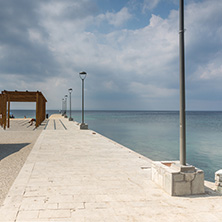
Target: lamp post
82,76
70,118
65,106
182,88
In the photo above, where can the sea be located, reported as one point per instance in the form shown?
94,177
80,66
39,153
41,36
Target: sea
155,134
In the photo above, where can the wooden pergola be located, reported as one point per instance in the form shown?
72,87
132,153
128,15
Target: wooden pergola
21,96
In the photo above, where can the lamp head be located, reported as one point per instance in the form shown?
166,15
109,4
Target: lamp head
70,90
82,75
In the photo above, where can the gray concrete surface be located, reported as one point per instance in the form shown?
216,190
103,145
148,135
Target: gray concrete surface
79,175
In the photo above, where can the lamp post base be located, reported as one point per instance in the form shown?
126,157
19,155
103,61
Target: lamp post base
70,119
176,179
84,126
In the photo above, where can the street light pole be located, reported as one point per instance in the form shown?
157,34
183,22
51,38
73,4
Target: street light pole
182,88
63,108
83,101
70,118
82,76
65,105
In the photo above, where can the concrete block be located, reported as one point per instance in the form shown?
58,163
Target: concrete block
178,180
167,183
218,180
84,126
217,183
181,188
197,185
218,175
219,189
189,176
219,172
178,177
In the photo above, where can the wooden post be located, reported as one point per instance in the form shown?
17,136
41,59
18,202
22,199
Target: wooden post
37,109
4,111
40,109
44,110
1,104
8,111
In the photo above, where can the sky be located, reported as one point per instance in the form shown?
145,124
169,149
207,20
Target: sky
129,49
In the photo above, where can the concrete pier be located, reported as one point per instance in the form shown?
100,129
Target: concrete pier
80,175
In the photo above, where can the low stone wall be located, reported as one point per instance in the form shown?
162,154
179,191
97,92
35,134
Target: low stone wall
178,180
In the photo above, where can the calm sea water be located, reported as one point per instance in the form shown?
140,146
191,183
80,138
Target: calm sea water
155,134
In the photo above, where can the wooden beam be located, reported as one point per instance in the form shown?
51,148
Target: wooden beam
8,111
22,96
4,111
1,109
37,110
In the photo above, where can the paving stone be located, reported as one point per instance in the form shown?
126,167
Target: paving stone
27,215
50,214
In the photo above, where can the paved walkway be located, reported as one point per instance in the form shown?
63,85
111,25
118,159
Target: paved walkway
79,175
23,125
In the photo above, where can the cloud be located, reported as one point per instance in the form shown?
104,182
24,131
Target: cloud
152,91
116,19
21,49
209,72
149,5
47,43
203,31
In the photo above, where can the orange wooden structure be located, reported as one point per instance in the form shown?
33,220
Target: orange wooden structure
21,96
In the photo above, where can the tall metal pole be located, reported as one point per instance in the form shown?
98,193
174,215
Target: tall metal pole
182,88
82,100
70,106
65,104
82,76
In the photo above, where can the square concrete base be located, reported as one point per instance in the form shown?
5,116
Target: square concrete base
218,180
84,126
176,179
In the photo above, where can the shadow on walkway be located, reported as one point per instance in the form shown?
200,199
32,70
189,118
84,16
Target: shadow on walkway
8,149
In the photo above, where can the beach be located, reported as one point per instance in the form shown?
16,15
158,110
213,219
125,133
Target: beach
16,143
